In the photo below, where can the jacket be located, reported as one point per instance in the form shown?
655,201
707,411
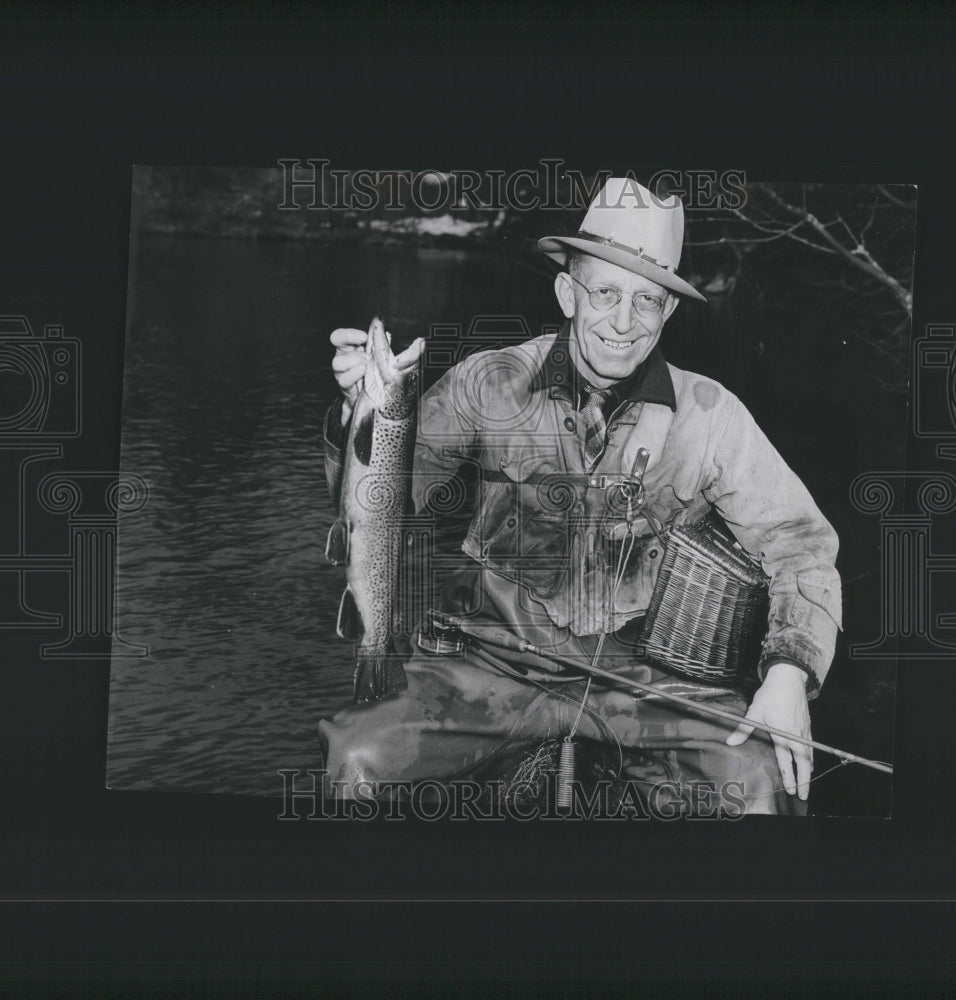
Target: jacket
546,538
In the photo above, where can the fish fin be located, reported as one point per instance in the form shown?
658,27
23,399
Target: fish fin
349,623
378,674
362,439
338,542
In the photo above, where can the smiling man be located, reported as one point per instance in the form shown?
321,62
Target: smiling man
554,427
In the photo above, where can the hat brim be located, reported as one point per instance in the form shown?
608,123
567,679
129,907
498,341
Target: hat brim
556,247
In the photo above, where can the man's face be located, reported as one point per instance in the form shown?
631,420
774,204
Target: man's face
611,343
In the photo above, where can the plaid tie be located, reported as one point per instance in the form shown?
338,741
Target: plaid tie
594,425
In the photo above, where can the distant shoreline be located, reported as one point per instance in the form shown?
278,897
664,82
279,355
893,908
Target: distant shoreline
391,235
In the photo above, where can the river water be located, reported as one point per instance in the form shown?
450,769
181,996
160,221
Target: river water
222,574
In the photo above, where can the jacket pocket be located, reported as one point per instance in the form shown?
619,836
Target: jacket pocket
514,536
532,550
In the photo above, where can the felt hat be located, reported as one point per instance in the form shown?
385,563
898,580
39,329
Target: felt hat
628,226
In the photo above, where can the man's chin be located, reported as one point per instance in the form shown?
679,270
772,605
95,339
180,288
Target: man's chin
616,368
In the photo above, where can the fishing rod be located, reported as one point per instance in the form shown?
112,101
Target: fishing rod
501,637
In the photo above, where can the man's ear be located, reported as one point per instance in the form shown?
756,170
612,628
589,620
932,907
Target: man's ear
564,291
670,306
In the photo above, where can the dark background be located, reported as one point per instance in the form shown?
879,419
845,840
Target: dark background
850,97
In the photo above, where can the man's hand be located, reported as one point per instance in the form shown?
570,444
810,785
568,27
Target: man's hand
348,363
781,701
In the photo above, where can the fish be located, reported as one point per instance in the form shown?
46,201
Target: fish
375,498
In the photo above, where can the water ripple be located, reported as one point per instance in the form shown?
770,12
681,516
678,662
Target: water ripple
222,574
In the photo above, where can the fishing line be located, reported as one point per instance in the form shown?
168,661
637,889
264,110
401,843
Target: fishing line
817,777
775,788
602,724
505,639
605,727
609,610
566,761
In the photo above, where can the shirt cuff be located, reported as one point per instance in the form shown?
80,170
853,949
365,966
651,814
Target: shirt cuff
767,661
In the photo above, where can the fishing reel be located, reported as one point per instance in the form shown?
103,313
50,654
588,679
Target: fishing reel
626,498
630,491
440,637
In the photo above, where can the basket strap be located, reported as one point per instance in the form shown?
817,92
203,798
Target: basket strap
656,525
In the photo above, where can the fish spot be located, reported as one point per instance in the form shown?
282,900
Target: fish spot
705,394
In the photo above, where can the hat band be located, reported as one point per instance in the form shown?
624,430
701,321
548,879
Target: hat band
639,252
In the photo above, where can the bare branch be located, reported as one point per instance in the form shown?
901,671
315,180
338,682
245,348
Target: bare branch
859,257
870,220
730,240
891,197
854,239
894,358
788,232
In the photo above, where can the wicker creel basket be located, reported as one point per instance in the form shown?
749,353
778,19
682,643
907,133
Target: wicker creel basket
708,613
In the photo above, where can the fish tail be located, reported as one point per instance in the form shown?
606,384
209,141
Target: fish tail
378,674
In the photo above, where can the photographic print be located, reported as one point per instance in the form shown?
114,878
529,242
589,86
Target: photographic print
534,492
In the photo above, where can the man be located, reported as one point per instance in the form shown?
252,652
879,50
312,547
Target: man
593,404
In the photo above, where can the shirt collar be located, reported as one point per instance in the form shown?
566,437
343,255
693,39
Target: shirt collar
650,383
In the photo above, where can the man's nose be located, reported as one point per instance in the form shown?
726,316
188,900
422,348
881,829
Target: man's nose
622,318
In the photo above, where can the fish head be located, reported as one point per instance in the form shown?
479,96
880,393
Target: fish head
391,387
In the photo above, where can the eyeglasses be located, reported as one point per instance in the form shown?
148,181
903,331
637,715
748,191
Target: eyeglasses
606,297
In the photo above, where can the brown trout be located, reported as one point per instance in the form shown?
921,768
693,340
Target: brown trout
375,498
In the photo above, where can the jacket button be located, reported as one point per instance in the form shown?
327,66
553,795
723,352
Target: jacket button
511,522
653,553
569,423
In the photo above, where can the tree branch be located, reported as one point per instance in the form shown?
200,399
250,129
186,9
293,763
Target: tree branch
859,256
892,197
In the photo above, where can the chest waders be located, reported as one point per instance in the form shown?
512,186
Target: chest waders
601,507
623,499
